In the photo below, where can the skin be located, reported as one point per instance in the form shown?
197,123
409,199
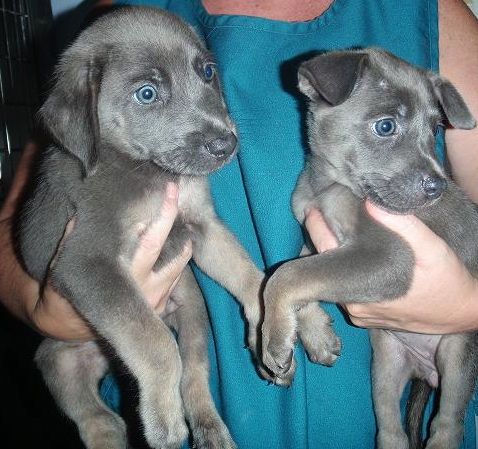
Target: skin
438,276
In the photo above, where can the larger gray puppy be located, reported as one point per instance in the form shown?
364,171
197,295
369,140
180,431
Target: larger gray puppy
136,103
372,123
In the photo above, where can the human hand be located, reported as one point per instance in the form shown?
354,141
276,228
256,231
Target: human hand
53,316
443,296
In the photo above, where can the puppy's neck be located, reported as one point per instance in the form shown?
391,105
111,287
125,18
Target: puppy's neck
144,172
327,174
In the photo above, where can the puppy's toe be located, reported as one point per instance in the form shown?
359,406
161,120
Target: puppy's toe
265,373
285,380
278,359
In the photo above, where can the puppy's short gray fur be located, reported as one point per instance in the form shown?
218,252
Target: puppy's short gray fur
350,92
109,168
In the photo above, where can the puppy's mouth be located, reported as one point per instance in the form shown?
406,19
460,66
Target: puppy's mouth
385,201
396,199
194,161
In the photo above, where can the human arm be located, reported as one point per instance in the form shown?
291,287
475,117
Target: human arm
48,312
459,63
443,297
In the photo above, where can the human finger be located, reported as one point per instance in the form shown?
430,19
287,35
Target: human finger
152,241
55,317
321,235
159,286
167,278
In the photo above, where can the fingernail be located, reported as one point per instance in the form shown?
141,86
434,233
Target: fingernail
171,190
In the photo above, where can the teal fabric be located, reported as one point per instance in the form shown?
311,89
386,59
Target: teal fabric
326,408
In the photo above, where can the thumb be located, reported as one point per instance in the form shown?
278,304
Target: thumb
409,227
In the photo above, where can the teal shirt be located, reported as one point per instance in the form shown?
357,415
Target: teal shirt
326,408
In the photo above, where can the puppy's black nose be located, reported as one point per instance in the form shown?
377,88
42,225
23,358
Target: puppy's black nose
222,146
433,186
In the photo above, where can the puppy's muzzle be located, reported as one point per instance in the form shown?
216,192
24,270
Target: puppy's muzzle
433,186
222,147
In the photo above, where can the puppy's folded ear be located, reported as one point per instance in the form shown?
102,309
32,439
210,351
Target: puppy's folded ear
331,76
70,111
453,104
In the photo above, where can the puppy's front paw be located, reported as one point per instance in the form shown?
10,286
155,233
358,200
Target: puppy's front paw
321,344
284,381
278,335
103,430
164,427
317,335
392,440
278,356
209,432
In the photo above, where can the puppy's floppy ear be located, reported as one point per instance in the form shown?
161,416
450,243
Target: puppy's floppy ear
70,111
453,104
331,76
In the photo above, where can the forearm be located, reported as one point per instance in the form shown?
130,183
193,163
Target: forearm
459,63
18,292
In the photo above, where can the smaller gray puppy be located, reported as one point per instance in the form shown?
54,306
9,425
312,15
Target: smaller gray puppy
372,123
136,103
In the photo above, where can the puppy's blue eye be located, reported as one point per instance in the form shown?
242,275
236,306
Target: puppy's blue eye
146,94
209,71
385,127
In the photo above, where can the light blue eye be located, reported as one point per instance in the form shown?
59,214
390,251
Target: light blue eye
385,127
209,71
146,94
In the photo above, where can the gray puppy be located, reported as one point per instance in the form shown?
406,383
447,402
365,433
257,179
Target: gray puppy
136,103
372,123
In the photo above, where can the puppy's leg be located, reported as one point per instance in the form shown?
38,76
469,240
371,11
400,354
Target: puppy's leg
72,372
390,373
349,273
456,361
217,252
191,323
315,330
106,297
